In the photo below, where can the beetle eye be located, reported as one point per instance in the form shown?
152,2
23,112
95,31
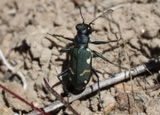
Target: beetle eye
89,29
78,26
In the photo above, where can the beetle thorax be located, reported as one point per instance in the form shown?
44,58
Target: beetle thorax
82,40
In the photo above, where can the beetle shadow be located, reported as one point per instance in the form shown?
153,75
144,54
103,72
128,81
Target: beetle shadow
23,48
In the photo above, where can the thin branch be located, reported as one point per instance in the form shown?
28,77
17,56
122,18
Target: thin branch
23,100
13,70
113,79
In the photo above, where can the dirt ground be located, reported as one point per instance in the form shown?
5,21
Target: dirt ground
24,25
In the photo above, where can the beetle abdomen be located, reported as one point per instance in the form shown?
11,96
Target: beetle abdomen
80,67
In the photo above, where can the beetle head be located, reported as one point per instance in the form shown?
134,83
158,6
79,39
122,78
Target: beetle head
83,28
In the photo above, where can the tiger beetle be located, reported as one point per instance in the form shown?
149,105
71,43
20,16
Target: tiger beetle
79,70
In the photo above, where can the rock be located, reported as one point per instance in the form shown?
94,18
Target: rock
151,31
2,103
156,9
131,102
39,80
109,103
99,24
141,1
35,66
127,86
46,43
55,51
140,113
80,107
18,22
152,108
155,43
6,111
36,49
7,40
128,35
33,74
45,57
146,51
54,81
14,102
142,59
59,21
135,43
122,100
112,91
93,104
28,63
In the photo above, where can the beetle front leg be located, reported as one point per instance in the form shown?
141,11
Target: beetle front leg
65,50
102,42
61,36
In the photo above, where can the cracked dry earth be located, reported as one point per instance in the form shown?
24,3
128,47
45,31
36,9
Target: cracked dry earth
24,25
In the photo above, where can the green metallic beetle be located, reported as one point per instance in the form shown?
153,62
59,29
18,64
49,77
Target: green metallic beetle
79,70
80,63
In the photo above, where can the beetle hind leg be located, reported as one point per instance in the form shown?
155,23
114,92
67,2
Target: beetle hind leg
100,105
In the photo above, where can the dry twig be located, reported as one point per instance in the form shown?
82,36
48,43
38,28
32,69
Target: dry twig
115,78
13,70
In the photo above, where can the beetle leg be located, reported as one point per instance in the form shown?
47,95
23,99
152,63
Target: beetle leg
65,50
98,71
60,77
96,54
65,72
100,98
64,81
57,35
102,42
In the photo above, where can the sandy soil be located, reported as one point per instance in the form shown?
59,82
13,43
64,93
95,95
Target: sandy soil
24,24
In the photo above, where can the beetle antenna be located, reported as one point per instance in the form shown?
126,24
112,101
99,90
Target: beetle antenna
109,10
81,13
